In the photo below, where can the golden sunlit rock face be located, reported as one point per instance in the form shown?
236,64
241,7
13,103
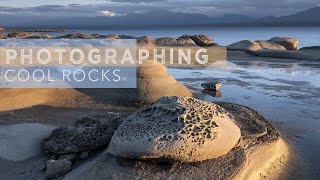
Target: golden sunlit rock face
176,129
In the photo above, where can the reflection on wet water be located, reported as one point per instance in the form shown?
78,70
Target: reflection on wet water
286,94
216,94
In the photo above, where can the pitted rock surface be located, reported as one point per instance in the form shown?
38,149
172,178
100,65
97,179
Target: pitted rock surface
86,134
175,128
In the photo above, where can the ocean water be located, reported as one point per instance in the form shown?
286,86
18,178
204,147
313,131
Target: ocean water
288,95
308,36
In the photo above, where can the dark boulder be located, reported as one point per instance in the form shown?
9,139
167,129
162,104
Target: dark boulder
86,134
212,86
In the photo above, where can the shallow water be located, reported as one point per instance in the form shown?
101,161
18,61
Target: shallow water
288,95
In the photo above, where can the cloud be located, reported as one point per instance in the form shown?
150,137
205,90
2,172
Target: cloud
108,13
255,8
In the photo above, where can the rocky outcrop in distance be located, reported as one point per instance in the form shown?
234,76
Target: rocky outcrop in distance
277,47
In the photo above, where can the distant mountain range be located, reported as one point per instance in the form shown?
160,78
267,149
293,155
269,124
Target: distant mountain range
161,18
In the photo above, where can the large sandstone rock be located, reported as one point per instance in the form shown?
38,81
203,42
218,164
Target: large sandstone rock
256,131
180,129
270,45
86,134
153,82
245,45
200,39
288,43
175,42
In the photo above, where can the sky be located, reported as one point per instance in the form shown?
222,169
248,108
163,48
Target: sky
254,8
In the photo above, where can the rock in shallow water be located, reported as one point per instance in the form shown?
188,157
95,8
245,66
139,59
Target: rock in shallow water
181,129
85,135
214,86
